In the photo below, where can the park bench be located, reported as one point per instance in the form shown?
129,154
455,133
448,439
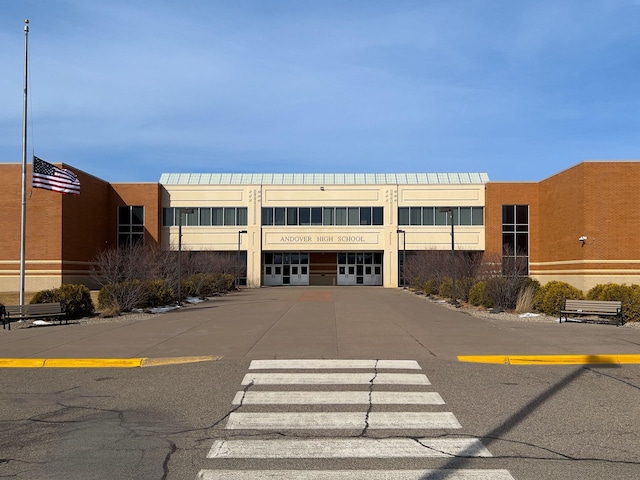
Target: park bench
582,309
12,313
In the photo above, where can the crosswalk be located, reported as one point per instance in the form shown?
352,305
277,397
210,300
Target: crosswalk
288,396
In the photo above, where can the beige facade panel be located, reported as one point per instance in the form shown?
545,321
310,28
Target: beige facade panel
465,238
205,196
439,196
332,195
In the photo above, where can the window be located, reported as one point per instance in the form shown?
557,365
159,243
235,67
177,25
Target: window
429,216
378,215
515,239
208,216
130,225
317,216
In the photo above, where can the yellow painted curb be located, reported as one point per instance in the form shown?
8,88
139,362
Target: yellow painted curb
93,362
155,362
99,362
21,362
617,359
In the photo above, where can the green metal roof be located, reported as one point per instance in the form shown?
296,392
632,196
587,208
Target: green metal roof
323,178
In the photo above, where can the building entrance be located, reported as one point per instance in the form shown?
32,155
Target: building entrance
359,268
322,268
286,268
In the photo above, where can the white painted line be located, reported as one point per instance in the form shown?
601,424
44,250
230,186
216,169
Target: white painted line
335,379
334,364
337,398
354,474
349,448
340,420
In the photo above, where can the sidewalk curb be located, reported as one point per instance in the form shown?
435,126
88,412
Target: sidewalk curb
101,362
615,359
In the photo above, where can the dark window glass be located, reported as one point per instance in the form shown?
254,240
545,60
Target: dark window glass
341,216
124,215
477,216
508,214
316,216
292,216
167,217
279,216
522,214
137,215
327,216
442,217
428,217
415,214
403,216
217,216
465,215
354,215
242,216
230,216
305,215
205,217
378,216
365,216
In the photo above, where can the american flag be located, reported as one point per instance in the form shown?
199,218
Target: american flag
50,177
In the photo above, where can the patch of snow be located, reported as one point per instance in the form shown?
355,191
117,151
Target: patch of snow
41,323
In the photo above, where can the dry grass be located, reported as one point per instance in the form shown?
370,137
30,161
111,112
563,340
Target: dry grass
526,299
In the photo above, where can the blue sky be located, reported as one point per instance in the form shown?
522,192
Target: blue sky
128,90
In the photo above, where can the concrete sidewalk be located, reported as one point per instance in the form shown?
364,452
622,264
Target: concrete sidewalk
314,322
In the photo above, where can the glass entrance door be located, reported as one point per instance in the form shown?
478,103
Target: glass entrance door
285,268
359,268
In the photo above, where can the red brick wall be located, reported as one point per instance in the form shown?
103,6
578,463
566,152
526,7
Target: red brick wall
43,229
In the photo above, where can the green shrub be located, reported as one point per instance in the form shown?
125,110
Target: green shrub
207,284
45,296
431,287
629,295
478,295
550,297
156,293
446,288
75,299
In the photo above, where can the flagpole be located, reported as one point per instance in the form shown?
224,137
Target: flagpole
23,228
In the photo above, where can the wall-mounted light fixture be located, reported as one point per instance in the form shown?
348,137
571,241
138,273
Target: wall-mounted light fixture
583,240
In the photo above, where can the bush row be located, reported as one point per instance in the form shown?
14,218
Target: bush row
528,295
125,296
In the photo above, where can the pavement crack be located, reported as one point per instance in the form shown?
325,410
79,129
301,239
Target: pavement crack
370,406
167,458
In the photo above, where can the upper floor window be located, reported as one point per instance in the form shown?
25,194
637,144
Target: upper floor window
429,216
130,225
317,216
205,216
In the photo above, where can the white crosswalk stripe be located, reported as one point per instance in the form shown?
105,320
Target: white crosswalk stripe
354,475
335,379
338,398
349,448
341,420
273,396
333,364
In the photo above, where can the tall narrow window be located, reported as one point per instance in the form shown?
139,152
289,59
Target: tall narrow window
130,225
515,240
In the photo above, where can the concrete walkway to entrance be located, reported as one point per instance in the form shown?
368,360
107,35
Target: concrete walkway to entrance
314,322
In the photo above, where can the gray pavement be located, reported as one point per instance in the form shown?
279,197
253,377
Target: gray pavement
318,322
